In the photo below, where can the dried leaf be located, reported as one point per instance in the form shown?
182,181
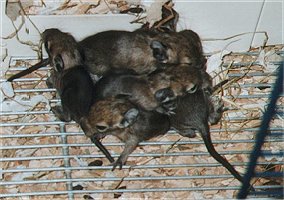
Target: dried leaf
154,12
214,62
103,8
25,152
4,54
20,103
261,58
80,162
133,2
13,10
23,175
6,90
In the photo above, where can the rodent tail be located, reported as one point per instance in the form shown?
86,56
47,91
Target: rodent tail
205,134
40,64
87,129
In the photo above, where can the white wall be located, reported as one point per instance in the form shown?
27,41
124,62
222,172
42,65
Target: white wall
211,19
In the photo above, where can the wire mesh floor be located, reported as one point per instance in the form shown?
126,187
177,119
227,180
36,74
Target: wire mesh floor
42,157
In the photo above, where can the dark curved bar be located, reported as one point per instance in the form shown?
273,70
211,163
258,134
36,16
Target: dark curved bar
40,64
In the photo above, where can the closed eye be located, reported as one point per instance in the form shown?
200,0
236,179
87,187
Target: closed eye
192,89
101,128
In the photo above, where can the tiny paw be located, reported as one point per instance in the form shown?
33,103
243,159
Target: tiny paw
164,95
167,108
190,133
170,105
217,110
49,82
119,163
59,113
218,104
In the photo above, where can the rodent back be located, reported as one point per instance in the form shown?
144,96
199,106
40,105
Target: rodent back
118,49
76,91
191,113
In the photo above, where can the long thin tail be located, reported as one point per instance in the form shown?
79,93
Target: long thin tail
102,148
42,63
88,132
208,143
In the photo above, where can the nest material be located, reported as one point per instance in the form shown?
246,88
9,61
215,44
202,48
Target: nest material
243,113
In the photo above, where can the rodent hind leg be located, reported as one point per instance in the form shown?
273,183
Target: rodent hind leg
49,82
130,146
216,110
61,114
188,132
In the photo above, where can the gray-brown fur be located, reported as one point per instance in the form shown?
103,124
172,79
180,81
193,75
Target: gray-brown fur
194,112
119,117
69,77
75,88
150,92
71,80
119,50
140,52
183,47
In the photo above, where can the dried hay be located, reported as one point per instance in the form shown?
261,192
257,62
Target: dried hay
248,110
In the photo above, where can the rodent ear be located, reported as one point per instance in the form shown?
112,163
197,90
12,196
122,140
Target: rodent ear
129,117
46,46
123,96
159,51
58,63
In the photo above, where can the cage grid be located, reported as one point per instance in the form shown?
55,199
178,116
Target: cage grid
44,157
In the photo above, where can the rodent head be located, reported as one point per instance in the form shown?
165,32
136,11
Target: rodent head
185,79
112,115
182,47
181,79
62,49
190,50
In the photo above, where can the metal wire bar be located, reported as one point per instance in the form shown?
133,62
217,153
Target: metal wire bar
241,64
69,180
279,52
266,153
251,74
142,143
46,169
261,134
65,151
134,190
66,157
23,68
66,180
121,144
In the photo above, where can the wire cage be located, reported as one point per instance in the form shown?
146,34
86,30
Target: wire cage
43,157
259,141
